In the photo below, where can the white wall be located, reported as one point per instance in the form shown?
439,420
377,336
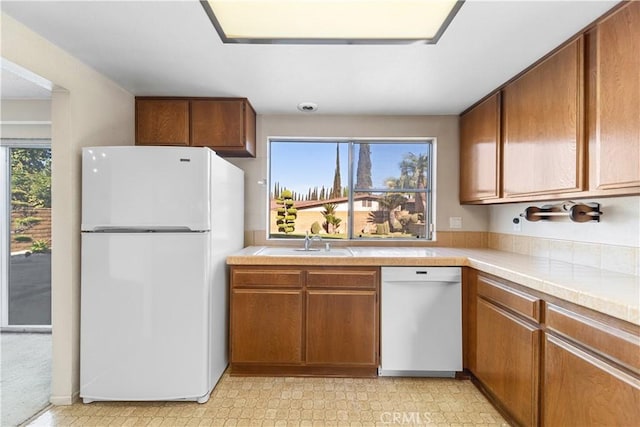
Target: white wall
29,111
87,109
619,224
444,128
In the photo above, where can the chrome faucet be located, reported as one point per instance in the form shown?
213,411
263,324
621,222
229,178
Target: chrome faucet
309,239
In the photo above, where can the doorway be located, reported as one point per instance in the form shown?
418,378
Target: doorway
25,244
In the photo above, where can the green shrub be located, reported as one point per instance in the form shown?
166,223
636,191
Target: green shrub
21,238
28,221
286,214
40,246
315,228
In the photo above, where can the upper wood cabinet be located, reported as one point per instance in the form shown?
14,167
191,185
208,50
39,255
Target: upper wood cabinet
480,152
162,122
543,141
614,101
568,126
226,125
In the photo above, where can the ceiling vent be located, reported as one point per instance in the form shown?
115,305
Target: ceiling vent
307,107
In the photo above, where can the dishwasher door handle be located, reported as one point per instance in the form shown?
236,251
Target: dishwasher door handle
423,282
420,274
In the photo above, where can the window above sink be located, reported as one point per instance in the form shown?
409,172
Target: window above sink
351,188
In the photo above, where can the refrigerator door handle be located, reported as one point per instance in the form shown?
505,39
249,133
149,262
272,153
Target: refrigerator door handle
110,229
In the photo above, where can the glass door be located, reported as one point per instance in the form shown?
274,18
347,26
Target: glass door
26,234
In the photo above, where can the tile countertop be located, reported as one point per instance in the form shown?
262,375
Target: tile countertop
608,292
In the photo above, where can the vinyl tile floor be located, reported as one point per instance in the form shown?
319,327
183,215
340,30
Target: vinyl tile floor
285,401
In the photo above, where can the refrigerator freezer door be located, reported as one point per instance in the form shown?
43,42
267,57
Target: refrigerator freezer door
146,188
145,316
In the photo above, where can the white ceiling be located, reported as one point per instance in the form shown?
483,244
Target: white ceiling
171,48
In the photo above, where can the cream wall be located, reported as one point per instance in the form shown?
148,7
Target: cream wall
619,224
444,128
29,111
87,109
611,244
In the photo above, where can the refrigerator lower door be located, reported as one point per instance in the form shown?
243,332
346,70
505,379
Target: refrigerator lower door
144,316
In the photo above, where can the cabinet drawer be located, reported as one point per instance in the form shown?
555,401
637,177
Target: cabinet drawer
338,278
526,305
615,344
267,277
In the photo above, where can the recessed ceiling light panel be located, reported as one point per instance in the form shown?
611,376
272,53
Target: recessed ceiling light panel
331,21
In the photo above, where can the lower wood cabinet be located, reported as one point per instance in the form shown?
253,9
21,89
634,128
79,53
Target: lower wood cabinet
508,357
591,372
580,389
339,327
544,361
267,326
304,320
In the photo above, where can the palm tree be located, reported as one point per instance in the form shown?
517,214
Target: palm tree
331,221
387,204
413,174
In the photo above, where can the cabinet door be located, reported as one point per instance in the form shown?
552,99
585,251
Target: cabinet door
507,360
266,326
543,117
614,101
480,151
582,390
162,122
223,125
342,328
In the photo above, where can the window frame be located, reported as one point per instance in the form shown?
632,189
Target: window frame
428,191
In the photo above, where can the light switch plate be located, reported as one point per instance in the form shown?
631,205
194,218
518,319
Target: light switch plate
455,222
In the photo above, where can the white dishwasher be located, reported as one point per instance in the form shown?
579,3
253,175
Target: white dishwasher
421,321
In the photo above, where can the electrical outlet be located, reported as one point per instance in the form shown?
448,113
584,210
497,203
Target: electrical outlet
517,224
455,222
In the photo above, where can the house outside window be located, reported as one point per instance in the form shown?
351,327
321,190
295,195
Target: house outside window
351,188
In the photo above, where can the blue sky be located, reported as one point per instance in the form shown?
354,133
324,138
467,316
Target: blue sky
299,166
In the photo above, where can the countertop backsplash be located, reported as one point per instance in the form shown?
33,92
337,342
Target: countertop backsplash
620,259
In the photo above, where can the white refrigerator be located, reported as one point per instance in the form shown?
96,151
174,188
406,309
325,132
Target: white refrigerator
157,225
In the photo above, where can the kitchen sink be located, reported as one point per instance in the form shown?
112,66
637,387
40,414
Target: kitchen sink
298,252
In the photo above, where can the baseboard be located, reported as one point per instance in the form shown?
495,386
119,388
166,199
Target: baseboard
65,400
